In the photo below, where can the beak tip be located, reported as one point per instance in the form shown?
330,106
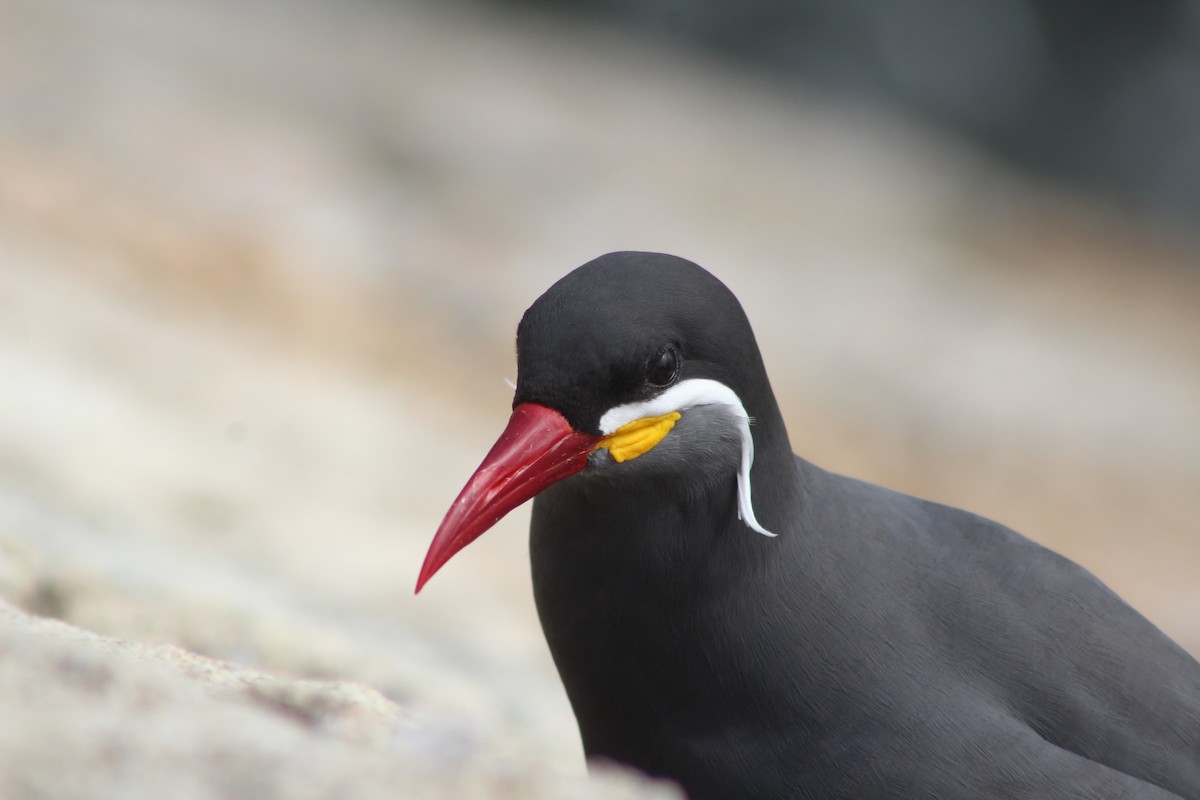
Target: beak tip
428,569
537,448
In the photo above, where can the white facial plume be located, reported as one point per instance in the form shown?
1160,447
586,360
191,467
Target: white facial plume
690,394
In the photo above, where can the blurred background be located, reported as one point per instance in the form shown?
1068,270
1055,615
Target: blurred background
261,263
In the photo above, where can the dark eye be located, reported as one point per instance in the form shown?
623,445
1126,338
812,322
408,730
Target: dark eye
663,368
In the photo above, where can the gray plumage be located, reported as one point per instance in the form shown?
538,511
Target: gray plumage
881,646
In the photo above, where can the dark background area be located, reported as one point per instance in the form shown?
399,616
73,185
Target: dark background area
1104,95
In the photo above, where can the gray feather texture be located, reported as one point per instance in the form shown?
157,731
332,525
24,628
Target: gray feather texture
881,646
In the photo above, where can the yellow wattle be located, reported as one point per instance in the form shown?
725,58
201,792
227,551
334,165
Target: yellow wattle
635,438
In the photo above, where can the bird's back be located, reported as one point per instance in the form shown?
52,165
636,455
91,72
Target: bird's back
1014,629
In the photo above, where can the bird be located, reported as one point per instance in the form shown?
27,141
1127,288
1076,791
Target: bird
727,615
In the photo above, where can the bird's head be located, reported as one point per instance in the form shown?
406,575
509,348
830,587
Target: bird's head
633,367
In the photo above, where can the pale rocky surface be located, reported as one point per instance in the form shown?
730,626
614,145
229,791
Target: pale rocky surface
89,717
260,267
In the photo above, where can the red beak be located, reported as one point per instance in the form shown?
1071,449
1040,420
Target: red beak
537,448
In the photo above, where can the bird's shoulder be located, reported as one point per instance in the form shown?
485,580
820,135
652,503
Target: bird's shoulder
941,537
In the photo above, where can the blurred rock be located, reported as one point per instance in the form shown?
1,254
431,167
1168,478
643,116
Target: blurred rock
86,717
